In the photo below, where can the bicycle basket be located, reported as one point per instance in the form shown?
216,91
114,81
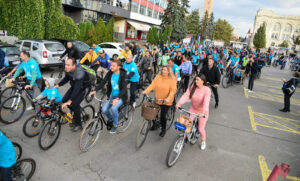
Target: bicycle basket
186,121
8,83
150,110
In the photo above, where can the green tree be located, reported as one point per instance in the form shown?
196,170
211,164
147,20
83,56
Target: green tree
211,27
83,30
110,31
193,22
100,31
297,40
223,31
284,44
166,34
259,39
150,37
91,38
204,27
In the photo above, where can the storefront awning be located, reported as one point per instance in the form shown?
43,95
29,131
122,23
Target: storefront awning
139,26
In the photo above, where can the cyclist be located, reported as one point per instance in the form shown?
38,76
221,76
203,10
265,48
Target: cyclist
175,69
124,53
234,64
50,92
4,65
90,56
7,158
146,67
32,72
164,85
79,82
179,58
199,94
96,48
164,59
155,55
212,75
103,61
186,71
195,61
215,56
71,52
116,93
133,77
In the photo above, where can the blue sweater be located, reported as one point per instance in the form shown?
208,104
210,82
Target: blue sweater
7,152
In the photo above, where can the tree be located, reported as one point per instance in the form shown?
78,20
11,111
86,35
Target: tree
153,36
166,34
259,39
284,44
110,31
223,31
83,30
91,38
204,26
193,22
100,31
297,40
211,27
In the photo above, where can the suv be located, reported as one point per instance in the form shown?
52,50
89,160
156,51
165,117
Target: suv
46,52
12,52
82,47
112,49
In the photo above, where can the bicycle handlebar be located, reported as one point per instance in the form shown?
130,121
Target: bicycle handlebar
100,100
194,114
153,99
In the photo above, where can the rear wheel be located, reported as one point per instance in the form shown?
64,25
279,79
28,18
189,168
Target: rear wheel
127,115
12,109
142,134
139,99
170,117
49,134
87,113
33,126
225,81
90,134
23,169
8,92
18,150
175,150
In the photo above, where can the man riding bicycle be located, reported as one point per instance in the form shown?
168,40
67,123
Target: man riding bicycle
79,82
104,61
234,64
90,56
71,52
116,80
124,54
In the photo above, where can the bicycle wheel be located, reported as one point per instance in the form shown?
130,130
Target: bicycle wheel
8,92
90,134
142,134
23,169
139,99
18,150
89,99
127,115
49,134
175,150
170,116
12,109
225,81
87,113
33,126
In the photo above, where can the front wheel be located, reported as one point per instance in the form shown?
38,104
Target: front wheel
225,81
170,117
33,126
90,134
175,150
142,134
126,115
49,134
87,113
23,169
12,109
18,150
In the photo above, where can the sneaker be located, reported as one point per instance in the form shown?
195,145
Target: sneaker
203,145
162,133
216,105
113,130
134,105
29,108
250,91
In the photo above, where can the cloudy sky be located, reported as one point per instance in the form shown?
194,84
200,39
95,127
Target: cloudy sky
241,13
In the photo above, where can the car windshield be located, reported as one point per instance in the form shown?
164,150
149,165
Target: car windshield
11,50
54,47
81,46
122,46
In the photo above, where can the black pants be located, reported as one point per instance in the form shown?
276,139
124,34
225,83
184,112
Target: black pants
287,98
215,92
133,86
186,80
221,70
75,106
148,75
155,68
6,174
163,116
195,68
251,81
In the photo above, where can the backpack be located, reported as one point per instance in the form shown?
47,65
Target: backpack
291,89
90,72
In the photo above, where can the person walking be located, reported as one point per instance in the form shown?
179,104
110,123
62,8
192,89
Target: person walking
186,71
289,88
253,72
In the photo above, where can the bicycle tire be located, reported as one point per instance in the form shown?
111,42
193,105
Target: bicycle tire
87,115
4,109
49,131
17,168
90,128
89,99
139,100
225,81
144,127
37,125
8,92
170,120
18,150
128,116
178,140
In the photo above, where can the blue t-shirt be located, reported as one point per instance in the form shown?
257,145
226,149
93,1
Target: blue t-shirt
132,68
97,49
220,65
234,60
29,67
175,69
115,84
50,93
215,56
7,152
195,59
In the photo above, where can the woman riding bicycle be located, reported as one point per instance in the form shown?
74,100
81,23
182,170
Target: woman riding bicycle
165,87
7,158
199,93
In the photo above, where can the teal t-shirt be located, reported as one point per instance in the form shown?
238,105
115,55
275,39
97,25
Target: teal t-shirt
175,69
115,85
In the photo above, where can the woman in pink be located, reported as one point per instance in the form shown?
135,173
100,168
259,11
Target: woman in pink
199,94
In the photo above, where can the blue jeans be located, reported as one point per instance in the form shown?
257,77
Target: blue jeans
6,174
235,72
114,109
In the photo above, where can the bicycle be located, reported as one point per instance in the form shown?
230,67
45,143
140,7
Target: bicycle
91,131
148,123
18,150
179,142
180,88
227,78
15,102
51,130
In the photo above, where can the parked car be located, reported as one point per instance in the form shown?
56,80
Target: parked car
12,52
82,47
46,52
112,49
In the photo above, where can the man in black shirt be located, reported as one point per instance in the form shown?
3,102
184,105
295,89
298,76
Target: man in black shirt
71,52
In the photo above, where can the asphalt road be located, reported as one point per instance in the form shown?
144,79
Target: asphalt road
246,137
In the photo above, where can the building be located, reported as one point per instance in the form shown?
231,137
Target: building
278,27
208,6
133,18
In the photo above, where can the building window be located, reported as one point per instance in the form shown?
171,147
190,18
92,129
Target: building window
134,7
157,2
276,27
288,28
273,44
160,16
149,12
274,36
285,37
143,10
162,3
144,35
155,15
131,32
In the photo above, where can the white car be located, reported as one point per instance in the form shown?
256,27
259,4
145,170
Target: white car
112,49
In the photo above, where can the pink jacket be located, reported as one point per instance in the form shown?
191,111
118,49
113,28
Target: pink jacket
200,100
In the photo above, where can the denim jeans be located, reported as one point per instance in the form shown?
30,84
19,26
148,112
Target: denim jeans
235,72
6,174
114,109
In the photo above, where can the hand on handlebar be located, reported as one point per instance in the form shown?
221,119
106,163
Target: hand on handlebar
92,93
28,87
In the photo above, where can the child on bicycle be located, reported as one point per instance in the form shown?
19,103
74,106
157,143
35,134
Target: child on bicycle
7,158
50,92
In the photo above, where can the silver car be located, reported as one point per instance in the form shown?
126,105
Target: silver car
46,52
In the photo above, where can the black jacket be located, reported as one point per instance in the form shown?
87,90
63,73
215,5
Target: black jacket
212,75
72,53
293,81
122,84
79,81
253,68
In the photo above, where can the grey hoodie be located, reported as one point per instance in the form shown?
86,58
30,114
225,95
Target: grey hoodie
51,82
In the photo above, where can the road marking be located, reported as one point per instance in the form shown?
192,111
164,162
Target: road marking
273,122
265,171
246,93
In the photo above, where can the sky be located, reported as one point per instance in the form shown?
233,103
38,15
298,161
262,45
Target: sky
241,13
